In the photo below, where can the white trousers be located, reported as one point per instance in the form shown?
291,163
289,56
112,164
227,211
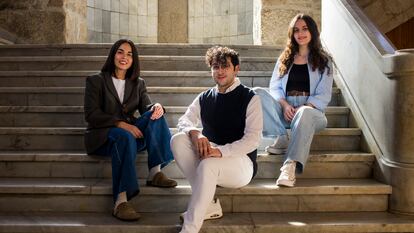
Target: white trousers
203,175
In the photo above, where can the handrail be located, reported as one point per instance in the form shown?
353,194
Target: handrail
379,40
392,62
376,81
398,64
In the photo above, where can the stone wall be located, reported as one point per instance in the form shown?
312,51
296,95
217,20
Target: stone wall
257,22
7,38
208,21
40,21
75,23
277,14
110,20
387,15
220,21
173,21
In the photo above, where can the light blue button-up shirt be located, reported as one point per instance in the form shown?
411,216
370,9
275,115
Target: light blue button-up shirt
320,86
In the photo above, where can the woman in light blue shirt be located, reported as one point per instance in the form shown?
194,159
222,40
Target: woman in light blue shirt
299,92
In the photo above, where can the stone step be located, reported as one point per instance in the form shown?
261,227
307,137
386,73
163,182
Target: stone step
152,78
334,222
143,49
72,116
160,63
74,96
62,138
261,195
321,164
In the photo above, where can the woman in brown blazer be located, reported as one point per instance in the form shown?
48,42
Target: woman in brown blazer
112,97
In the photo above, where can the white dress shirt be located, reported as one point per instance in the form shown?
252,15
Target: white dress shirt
252,131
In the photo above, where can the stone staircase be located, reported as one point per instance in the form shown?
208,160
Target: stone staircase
49,184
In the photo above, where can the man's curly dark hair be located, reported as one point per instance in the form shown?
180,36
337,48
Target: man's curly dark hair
219,54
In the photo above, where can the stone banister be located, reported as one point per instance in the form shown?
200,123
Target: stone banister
378,84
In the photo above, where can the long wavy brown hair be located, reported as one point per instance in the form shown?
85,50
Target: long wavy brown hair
317,57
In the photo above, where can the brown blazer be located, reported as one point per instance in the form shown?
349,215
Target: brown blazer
103,108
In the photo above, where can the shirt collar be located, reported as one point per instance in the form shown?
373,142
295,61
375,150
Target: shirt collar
232,87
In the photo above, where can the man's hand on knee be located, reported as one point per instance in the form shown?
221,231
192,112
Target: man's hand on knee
213,152
200,142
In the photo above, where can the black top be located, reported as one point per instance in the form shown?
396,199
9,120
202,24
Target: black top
223,116
298,78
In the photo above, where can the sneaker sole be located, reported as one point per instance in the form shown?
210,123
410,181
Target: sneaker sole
285,184
211,217
214,216
275,151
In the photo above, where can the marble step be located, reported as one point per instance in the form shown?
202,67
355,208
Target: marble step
261,195
333,222
160,63
321,164
72,116
143,49
152,78
74,96
65,138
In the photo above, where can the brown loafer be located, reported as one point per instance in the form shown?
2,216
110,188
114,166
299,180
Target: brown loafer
161,180
125,212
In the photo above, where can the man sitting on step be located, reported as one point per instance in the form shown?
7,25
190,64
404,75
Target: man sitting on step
224,152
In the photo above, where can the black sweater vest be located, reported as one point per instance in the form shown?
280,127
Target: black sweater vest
224,116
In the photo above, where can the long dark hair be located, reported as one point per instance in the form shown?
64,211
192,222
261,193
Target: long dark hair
134,71
317,57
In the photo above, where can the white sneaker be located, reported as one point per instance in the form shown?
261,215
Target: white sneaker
287,175
214,211
279,146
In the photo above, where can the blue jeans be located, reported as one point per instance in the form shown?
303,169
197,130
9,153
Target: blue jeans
123,147
306,122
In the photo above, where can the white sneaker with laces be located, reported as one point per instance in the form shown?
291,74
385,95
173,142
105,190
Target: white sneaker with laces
287,174
279,146
214,211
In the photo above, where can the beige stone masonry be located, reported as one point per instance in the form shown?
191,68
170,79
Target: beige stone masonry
58,21
172,21
276,15
387,14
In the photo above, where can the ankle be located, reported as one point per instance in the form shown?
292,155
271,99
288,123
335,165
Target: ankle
120,199
153,171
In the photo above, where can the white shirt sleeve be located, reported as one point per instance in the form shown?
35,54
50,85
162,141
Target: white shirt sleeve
252,132
191,118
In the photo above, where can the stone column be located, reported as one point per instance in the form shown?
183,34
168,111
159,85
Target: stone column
378,89
75,21
173,21
397,163
42,21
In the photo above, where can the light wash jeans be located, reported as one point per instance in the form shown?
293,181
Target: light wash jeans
306,122
204,175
